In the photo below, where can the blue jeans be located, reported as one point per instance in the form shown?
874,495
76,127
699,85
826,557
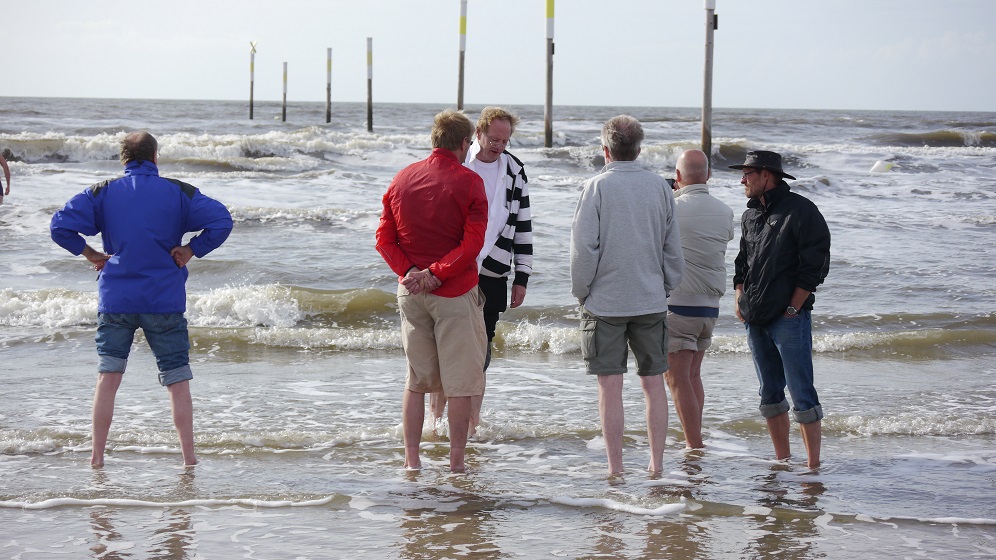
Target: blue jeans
167,336
783,355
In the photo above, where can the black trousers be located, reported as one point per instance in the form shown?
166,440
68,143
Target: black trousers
495,301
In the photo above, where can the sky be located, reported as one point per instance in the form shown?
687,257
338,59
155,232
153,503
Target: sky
792,54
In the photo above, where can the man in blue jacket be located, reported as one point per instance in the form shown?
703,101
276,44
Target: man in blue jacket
142,218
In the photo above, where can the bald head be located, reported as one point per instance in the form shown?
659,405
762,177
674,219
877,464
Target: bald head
692,168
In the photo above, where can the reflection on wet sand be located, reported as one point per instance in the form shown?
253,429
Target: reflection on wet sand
172,538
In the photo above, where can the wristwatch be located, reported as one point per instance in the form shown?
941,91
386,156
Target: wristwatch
791,311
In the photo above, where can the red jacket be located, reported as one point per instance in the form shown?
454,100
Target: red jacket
435,214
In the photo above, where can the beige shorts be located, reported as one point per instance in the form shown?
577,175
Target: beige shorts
689,333
445,342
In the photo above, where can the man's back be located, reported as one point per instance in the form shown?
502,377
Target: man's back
706,225
626,253
141,217
435,210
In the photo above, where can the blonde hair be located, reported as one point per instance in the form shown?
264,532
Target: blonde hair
450,128
489,114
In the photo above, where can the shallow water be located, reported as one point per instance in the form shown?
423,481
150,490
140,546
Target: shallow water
298,366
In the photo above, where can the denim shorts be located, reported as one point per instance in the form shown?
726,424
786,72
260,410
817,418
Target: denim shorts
167,336
783,355
604,342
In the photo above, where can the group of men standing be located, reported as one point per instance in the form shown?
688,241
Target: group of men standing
648,269
647,262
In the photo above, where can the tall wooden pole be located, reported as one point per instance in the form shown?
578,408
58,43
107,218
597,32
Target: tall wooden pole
328,85
370,76
711,25
463,50
283,113
548,112
252,73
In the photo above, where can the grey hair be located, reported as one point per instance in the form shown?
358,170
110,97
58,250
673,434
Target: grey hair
622,135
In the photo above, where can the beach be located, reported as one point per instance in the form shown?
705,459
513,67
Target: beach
298,367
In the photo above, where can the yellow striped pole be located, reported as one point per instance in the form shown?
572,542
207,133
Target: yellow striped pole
711,24
252,73
328,85
370,75
283,114
463,50
548,112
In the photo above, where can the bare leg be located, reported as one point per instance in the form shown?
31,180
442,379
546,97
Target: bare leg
437,403
183,419
778,428
103,413
412,418
695,377
812,436
656,397
475,411
610,408
686,401
459,418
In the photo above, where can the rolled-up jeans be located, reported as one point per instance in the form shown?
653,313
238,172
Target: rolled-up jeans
166,334
783,356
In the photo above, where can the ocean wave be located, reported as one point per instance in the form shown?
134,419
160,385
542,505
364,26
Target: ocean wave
367,319
299,150
935,139
246,214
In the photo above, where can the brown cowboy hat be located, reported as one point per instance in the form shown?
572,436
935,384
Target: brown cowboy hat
761,159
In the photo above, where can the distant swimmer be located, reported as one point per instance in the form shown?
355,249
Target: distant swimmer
784,255
508,241
625,259
706,225
6,175
142,219
430,233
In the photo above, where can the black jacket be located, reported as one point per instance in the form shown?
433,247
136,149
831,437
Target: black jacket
783,245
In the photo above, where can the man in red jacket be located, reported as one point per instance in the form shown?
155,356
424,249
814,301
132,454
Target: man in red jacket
431,231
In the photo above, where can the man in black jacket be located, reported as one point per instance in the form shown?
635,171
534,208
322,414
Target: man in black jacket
784,255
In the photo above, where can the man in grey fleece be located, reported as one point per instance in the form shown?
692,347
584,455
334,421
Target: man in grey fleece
706,227
625,259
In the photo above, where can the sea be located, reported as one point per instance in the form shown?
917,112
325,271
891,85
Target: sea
298,366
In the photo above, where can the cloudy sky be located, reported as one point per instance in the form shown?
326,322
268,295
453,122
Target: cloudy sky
820,54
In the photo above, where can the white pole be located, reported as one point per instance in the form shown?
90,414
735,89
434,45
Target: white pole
548,111
283,114
463,50
252,73
370,75
710,7
328,85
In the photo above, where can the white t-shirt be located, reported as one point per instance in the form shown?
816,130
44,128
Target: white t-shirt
497,212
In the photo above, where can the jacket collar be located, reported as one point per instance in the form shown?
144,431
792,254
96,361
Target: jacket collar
771,197
692,189
622,166
141,167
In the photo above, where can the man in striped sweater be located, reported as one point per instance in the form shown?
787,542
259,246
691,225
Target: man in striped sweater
508,241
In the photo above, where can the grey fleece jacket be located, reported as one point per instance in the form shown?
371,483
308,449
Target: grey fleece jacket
706,228
625,243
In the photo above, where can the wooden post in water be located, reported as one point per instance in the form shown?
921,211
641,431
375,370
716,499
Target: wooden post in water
370,79
283,113
252,73
463,50
711,25
328,86
548,111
